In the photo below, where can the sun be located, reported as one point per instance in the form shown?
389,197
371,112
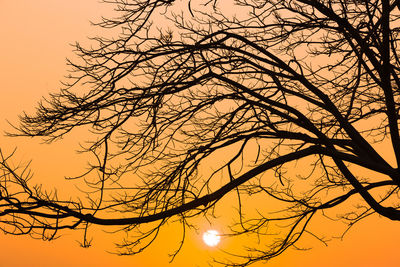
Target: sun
211,238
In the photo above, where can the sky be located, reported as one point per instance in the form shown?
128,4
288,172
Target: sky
35,41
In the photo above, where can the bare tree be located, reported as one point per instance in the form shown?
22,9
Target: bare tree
200,105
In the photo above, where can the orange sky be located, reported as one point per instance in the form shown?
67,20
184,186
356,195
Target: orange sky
33,47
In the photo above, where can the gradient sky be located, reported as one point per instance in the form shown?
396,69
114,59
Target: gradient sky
35,38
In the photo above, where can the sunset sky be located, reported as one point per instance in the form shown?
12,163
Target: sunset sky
35,38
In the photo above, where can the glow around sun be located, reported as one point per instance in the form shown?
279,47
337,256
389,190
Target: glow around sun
211,238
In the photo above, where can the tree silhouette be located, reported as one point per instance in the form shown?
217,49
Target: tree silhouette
283,102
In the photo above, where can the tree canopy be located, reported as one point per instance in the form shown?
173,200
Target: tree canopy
192,102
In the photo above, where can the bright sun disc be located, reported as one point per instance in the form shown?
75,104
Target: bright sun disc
211,238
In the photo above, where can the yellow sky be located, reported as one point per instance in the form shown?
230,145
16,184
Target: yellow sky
35,37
